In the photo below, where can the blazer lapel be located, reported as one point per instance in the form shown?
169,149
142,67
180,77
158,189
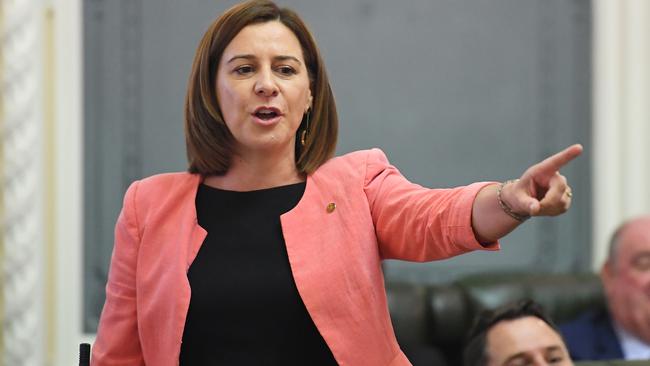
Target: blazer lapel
607,343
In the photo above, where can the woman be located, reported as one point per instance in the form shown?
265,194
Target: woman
268,250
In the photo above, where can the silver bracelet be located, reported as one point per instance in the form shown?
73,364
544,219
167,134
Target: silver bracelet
505,207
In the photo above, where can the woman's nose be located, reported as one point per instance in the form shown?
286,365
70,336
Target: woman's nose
265,85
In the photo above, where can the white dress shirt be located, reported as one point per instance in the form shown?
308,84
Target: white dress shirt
633,347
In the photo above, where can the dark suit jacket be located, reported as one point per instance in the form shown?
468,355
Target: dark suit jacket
592,337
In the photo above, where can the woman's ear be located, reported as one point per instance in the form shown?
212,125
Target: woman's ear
309,102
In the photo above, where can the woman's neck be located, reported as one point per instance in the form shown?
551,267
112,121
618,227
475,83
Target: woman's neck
257,171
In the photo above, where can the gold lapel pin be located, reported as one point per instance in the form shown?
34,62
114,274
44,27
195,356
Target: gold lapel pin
331,207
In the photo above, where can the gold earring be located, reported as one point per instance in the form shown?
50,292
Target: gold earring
303,134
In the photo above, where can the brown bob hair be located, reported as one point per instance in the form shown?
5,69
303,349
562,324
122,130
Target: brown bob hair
209,142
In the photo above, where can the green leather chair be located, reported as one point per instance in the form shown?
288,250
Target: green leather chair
439,316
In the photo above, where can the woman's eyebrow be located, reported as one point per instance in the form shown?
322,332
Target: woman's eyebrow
246,57
285,58
253,57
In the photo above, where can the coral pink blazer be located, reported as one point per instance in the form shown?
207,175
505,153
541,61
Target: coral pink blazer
335,257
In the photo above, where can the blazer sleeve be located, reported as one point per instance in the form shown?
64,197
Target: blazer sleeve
417,223
117,341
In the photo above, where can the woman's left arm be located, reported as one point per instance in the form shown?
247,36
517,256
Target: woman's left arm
541,191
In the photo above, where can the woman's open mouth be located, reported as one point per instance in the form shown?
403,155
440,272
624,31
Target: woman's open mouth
267,115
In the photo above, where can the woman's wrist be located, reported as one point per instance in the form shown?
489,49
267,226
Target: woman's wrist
504,204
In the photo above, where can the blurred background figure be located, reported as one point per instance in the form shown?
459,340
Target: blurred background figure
516,334
623,330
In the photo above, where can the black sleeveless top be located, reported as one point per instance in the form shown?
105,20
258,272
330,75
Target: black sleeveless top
245,308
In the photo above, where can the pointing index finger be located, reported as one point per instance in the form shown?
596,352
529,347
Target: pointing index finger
554,162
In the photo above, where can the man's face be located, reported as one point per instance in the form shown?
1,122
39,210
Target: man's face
626,279
525,341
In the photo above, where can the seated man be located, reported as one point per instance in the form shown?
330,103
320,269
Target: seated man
624,331
516,334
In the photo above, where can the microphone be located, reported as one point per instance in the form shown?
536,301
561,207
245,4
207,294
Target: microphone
84,354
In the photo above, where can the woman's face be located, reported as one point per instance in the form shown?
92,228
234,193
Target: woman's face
263,88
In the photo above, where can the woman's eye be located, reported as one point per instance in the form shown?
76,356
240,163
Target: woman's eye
243,70
286,70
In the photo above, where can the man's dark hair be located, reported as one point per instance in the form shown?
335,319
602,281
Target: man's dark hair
474,353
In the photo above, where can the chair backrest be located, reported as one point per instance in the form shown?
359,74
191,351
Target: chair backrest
441,315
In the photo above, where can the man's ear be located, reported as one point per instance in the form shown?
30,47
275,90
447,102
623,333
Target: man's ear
607,273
